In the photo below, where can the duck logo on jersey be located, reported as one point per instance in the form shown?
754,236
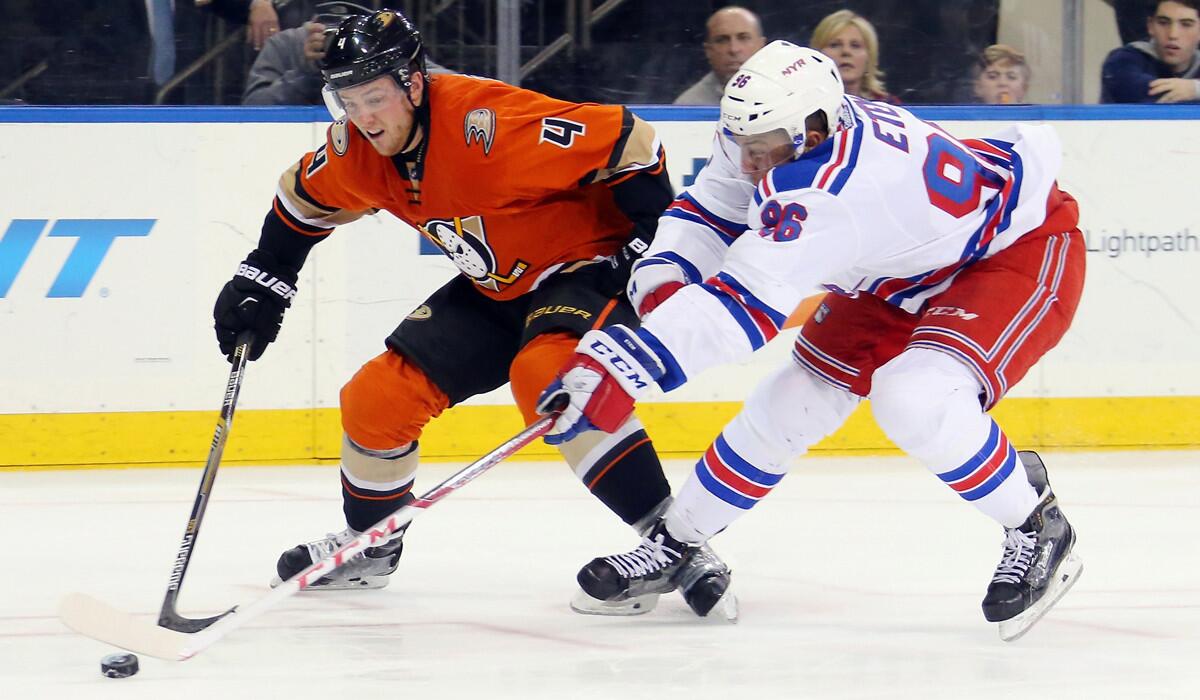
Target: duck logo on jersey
480,125
464,241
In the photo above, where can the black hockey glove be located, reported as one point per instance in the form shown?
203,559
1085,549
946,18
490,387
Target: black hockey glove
255,300
619,265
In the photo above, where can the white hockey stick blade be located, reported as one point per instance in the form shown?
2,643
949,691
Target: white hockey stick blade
99,620
1066,576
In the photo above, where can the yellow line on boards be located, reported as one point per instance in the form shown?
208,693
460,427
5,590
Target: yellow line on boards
172,438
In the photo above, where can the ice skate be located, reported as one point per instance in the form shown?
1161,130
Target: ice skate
1038,565
703,581
630,583
369,568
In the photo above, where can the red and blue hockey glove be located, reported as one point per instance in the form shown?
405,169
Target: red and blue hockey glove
611,368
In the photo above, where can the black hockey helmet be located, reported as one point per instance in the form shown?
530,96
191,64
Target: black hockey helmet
365,47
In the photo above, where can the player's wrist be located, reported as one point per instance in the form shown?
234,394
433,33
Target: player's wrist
622,354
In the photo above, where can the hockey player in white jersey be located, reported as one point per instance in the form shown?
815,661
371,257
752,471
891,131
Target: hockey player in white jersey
952,267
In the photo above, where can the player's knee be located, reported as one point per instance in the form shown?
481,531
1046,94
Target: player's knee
535,366
912,394
387,403
789,412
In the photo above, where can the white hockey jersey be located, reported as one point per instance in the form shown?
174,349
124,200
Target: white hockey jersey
890,205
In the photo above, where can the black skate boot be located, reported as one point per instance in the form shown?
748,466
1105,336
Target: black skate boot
704,580
369,568
1038,565
636,578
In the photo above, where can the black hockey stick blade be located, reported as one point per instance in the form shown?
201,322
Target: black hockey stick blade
169,617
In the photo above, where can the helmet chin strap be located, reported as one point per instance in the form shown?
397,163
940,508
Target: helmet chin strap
421,124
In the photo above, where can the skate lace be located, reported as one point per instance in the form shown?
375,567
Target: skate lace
319,549
650,556
1019,548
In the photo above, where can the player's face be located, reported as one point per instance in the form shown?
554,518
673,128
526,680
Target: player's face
382,112
733,37
761,152
1001,83
1175,29
849,48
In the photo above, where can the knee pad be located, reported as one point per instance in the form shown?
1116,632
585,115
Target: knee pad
388,402
916,395
535,366
787,413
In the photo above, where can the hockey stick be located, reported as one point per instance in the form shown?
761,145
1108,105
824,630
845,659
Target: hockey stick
169,617
98,620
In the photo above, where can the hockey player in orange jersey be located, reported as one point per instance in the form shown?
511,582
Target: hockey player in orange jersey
542,205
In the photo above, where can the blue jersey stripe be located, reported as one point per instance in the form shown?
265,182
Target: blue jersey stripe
731,226
689,270
739,313
673,375
752,301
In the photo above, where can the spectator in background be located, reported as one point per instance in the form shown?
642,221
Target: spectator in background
733,34
259,16
1003,77
286,73
1164,69
851,41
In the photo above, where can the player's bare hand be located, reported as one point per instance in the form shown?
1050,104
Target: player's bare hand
1171,90
314,41
262,24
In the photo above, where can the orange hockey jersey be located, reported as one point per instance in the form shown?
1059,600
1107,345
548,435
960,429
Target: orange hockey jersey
513,184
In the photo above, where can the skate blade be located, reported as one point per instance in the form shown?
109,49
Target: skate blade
364,583
726,609
1066,576
584,604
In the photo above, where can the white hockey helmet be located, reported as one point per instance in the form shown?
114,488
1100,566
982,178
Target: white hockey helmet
778,88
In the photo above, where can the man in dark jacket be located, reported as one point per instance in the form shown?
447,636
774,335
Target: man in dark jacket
285,72
1164,69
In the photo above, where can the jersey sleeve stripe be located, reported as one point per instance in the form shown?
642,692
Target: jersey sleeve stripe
759,324
689,270
298,187
686,207
618,151
673,375
280,209
773,318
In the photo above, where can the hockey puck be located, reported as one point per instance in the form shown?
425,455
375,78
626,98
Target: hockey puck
119,665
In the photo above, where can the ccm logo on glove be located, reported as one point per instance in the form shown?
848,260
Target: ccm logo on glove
602,352
277,286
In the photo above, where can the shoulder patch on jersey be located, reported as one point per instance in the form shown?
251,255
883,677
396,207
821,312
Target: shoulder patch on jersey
480,125
339,135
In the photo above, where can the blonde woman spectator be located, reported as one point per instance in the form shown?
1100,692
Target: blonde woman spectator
850,40
1003,77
